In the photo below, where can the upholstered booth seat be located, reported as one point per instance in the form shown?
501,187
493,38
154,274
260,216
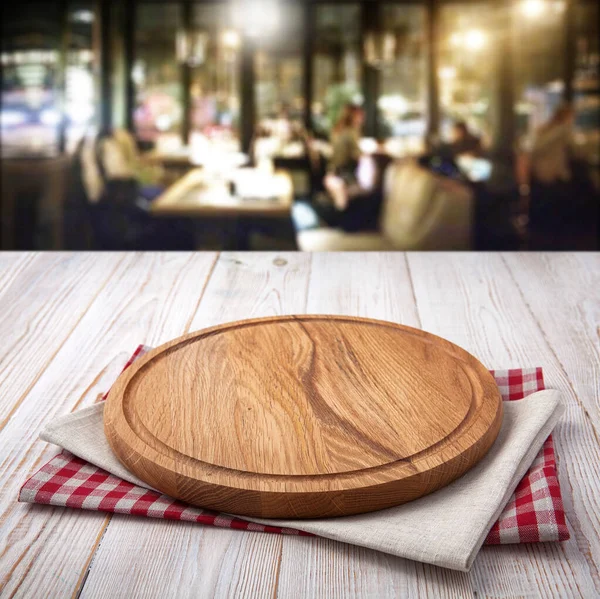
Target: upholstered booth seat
335,240
421,211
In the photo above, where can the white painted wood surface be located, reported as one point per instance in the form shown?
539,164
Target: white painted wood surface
68,322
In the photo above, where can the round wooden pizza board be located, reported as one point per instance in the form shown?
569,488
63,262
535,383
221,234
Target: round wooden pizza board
303,416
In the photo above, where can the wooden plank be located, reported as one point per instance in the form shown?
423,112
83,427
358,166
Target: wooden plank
39,311
171,559
12,264
203,561
315,567
561,294
149,299
374,286
473,301
247,285
369,284
568,313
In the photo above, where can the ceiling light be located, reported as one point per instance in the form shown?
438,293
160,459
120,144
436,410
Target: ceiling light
533,8
255,17
83,16
231,39
456,39
475,39
447,73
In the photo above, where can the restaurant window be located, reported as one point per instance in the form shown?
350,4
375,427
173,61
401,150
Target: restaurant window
156,74
80,95
120,77
468,67
337,62
539,67
30,117
403,83
214,55
279,70
586,85
279,92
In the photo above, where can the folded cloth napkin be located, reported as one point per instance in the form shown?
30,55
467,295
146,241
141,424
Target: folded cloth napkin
446,528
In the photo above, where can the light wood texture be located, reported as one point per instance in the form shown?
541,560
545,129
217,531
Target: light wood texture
508,310
474,301
195,195
303,416
153,299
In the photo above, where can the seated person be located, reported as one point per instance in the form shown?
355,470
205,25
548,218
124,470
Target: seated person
149,176
351,180
114,156
563,204
464,141
109,194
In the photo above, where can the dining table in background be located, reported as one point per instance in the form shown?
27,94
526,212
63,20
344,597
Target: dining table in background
69,322
177,157
211,202
178,161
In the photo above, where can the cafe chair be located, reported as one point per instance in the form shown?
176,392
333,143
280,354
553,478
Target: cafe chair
421,211
107,209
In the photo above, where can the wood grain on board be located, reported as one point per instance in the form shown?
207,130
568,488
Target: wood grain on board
303,416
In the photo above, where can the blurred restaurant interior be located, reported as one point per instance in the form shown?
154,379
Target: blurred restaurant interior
310,125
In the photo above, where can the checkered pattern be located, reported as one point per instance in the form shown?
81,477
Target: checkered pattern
68,481
534,513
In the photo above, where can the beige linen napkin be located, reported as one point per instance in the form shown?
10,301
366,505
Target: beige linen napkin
446,528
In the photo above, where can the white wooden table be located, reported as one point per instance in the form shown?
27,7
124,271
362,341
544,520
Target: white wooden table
68,322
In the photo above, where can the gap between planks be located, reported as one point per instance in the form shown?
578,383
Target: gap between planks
551,349
94,549
75,338
32,384
571,517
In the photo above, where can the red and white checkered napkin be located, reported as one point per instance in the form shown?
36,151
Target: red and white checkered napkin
534,514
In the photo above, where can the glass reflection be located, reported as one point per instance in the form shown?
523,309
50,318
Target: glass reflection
158,113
